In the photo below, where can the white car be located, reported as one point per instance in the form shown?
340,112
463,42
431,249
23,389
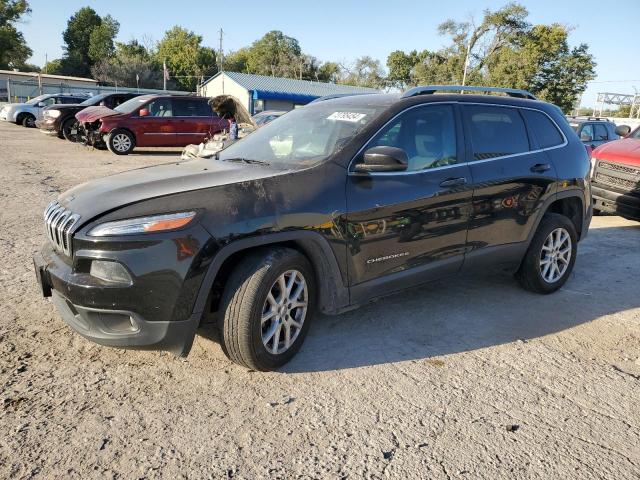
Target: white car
27,113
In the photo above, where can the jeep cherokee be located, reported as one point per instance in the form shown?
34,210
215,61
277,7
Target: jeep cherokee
326,208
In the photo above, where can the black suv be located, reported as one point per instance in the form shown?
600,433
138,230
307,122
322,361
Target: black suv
325,208
61,120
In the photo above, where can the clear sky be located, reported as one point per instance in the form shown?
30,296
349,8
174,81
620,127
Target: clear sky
343,30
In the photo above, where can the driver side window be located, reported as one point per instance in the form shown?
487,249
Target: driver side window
427,134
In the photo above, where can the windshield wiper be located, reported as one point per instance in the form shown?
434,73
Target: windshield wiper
245,160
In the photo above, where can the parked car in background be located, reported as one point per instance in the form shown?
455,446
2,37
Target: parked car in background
61,119
371,194
267,116
150,121
28,113
616,177
595,131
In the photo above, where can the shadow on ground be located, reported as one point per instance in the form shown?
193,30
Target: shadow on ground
464,313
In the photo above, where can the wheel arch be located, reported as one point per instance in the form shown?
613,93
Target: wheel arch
20,116
570,203
333,293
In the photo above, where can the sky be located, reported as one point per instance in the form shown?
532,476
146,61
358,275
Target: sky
343,30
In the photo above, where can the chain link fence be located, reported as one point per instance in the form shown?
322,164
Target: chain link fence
16,91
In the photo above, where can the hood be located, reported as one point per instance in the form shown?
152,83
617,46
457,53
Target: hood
91,114
109,193
626,150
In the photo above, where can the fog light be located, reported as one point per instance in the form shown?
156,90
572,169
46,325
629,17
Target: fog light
112,272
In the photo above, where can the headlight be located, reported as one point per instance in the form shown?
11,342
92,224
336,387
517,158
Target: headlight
132,226
52,113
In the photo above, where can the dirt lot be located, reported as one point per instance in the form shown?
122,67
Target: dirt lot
465,378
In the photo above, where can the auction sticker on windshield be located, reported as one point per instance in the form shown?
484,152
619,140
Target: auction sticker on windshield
347,116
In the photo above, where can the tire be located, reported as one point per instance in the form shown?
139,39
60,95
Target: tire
246,299
28,121
532,270
120,141
65,129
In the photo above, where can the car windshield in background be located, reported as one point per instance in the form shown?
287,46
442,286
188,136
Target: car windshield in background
305,136
131,105
37,99
635,134
95,100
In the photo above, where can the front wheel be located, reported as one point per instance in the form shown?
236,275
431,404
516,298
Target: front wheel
551,256
29,121
267,307
70,130
120,142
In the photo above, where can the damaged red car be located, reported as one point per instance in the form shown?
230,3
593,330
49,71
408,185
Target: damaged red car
150,121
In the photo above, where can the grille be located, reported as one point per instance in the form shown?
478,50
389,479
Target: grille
59,223
623,183
616,167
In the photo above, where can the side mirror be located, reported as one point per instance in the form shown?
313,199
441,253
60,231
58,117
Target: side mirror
623,130
383,159
585,137
144,112
42,104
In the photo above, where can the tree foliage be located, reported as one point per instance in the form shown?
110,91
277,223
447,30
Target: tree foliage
129,66
14,51
504,50
187,59
88,39
364,72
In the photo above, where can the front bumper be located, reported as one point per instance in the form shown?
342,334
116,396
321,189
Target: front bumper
74,295
47,126
625,205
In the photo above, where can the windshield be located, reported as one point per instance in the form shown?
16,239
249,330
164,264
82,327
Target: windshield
95,100
131,105
37,99
636,133
305,136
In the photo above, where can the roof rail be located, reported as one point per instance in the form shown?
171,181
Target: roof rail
430,89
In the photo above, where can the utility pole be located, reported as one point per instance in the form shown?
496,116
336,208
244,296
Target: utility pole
46,60
220,60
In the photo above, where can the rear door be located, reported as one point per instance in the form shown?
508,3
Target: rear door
408,227
512,177
158,128
194,119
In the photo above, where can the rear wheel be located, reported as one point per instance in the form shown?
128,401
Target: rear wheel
267,307
70,129
551,256
120,142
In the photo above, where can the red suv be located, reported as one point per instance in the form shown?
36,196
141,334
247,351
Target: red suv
150,121
616,176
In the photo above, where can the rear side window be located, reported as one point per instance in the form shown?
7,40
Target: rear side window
601,132
191,108
495,131
543,129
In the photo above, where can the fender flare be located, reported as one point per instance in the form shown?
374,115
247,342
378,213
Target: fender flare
333,292
575,193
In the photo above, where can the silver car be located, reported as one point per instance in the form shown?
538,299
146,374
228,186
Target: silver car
27,113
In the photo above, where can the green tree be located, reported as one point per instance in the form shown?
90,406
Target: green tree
101,39
14,51
329,72
365,72
130,65
53,67
187,60
274,54
236,61
77,39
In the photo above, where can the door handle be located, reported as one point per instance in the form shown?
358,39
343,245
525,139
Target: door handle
453,182
540,167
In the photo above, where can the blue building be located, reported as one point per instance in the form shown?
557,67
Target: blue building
260,93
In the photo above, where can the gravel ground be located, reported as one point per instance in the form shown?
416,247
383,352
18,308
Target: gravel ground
464,378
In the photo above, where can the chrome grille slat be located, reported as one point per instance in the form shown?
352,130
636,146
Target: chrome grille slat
60,225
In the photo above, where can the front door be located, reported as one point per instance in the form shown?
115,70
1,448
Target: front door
157,127
408,227
512,173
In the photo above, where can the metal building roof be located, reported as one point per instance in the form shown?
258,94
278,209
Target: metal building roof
263,86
